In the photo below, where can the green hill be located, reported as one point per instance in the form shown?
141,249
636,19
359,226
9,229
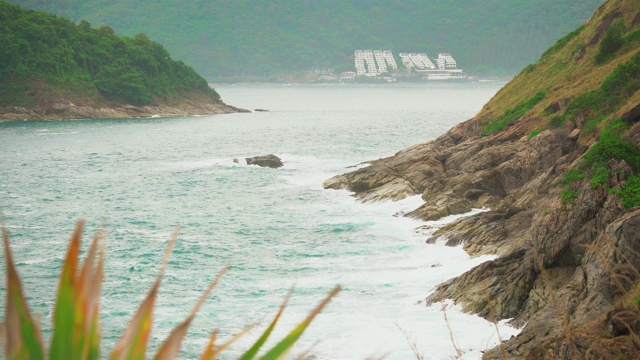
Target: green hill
44,57
222,38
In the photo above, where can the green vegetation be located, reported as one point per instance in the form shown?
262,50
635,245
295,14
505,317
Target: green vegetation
76,315
597,160
534,133
42,48
260,38
600,177
563,41
597,165
513,114
556,121
614,91
591,125
572,175
595,105
630,192
613,146
611,42
569,196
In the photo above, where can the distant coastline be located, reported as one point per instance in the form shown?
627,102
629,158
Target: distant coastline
273,81
69,111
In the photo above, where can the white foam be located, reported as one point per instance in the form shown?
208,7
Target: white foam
410,278
190,165
48,133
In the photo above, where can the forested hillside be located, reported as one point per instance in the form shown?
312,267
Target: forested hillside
44,56
261,38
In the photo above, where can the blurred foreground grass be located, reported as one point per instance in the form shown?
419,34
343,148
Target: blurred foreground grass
76,322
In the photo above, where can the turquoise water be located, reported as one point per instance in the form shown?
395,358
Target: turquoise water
279,228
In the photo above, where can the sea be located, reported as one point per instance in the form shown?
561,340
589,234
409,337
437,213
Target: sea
279,229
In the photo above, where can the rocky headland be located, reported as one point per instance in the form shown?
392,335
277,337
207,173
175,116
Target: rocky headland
555,157
56,69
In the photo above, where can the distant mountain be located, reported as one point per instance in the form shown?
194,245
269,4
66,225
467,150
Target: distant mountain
50,63
262,38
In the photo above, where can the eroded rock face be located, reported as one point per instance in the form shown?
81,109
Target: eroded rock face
566,306
409,172
270,160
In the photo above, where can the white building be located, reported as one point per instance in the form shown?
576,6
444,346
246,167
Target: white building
359,60
391,61
406,61
382,65
377,62
424,58
371,63
447,69
446,61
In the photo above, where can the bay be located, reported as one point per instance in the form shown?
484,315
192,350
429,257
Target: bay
278,228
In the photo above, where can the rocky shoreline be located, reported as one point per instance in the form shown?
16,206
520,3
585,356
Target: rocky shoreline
549,274
69,111
568,265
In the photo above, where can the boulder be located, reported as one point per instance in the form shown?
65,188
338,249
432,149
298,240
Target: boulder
632,116
270,160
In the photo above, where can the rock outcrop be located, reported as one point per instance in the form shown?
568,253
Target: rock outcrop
270,160
567,255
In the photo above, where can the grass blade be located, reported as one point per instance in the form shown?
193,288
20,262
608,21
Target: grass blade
21,335
171,347
209,351
281,349
218,349
87,294
253,351
133,343
65,315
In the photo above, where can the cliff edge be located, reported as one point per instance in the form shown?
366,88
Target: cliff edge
555,157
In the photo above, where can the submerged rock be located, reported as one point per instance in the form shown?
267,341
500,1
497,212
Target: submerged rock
270,160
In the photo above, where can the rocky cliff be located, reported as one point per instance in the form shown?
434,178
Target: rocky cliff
555,157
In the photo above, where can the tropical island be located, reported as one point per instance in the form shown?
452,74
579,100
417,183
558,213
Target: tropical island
51,68
555,157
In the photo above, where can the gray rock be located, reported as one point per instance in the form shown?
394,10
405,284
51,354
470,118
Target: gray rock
270,160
